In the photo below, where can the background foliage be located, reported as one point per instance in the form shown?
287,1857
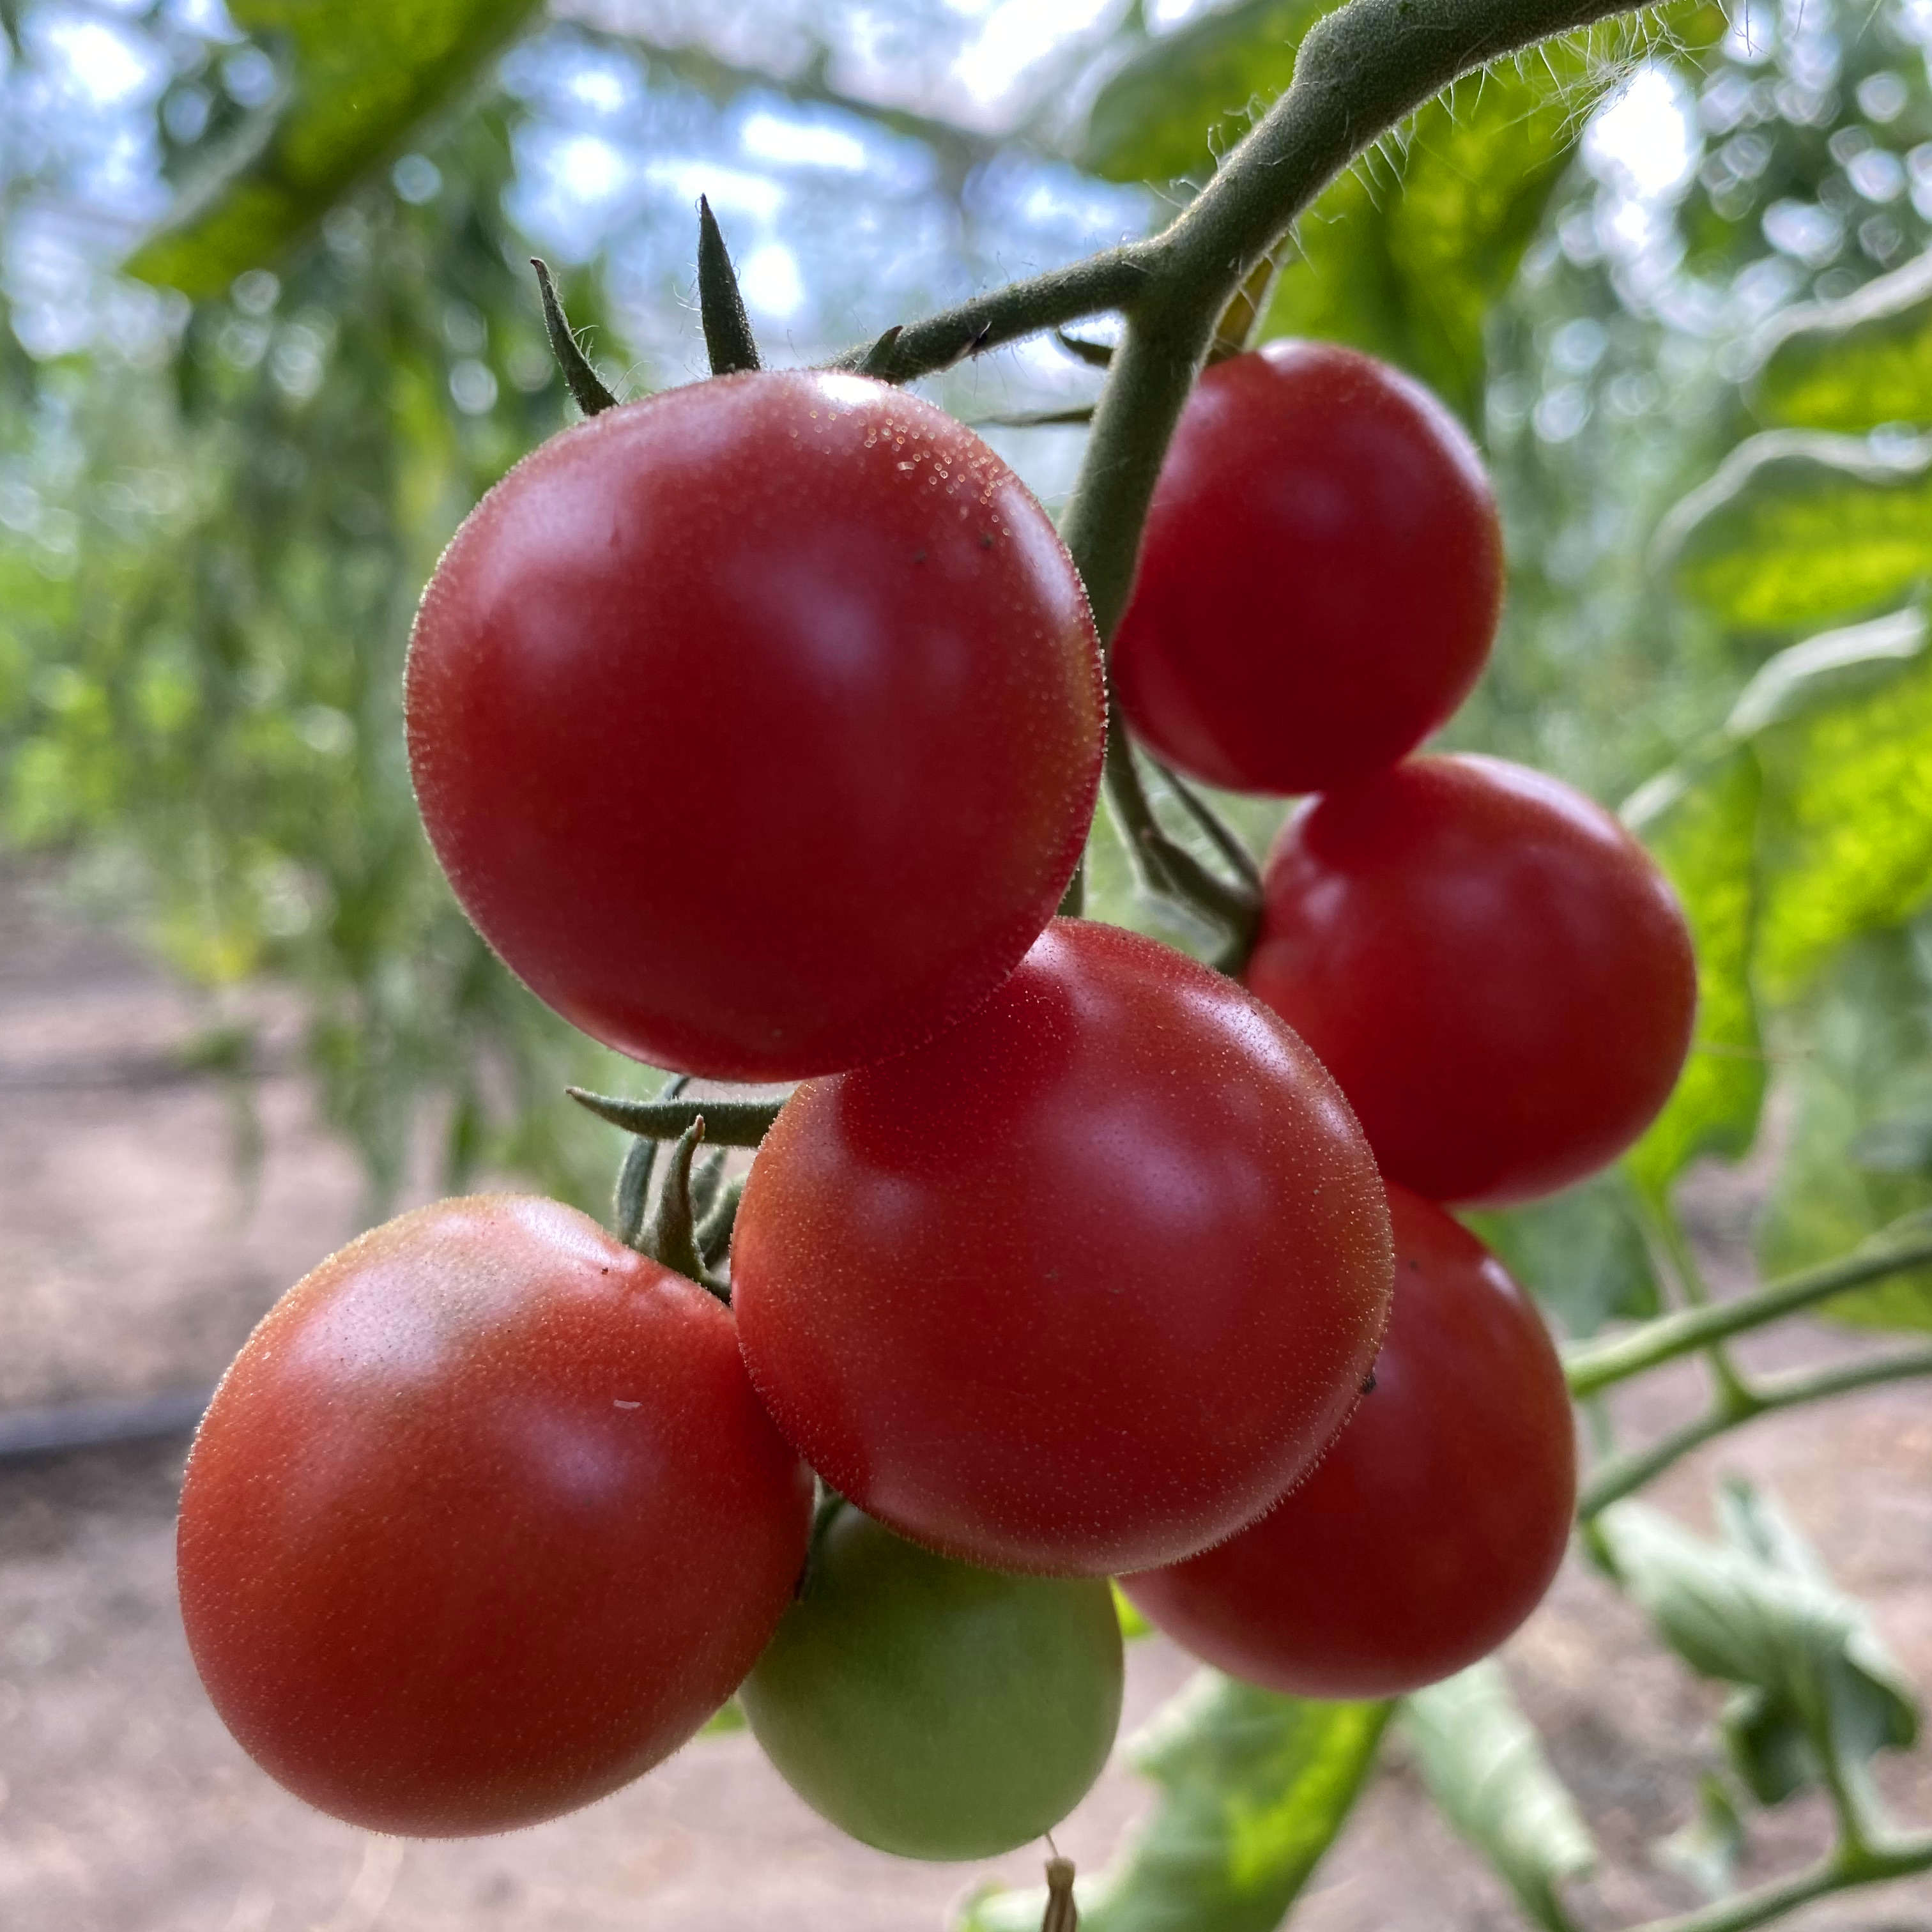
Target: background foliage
270,332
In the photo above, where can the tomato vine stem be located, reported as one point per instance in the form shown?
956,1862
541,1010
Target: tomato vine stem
1839,1870
1621,1474
1599,1364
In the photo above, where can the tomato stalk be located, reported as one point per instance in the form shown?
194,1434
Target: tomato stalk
1622,1474
1602,1363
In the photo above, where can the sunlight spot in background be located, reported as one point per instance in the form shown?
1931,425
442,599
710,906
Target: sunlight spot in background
1643,140
731,190
797,143
588,167
769,281
102,64
1017,33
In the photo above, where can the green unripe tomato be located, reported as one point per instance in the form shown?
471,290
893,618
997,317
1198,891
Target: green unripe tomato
932,1709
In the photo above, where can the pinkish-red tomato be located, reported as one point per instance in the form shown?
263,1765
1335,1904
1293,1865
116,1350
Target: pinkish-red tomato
483,1521
1080,1286
1492,968
1320,577
1433,1525
758,724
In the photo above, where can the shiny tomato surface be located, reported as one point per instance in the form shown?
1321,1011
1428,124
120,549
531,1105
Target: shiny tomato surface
1434,1524
1321,575
1494,969
758,724
1080,1286
483,1521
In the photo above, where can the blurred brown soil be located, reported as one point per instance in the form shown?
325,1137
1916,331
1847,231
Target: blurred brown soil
133,1261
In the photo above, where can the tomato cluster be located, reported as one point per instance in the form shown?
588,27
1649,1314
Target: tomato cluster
758,726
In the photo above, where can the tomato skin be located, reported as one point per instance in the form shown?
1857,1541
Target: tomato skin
484,1521
758,724
1432,1526
1321,575
1492,968
1081,1285
931,1709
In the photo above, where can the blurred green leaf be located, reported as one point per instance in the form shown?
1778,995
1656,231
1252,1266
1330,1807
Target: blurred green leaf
1797,527
1703,833
1845,837
1485,1768
1253,1788
1707,1849
356,80
1861,1087
1582,1253
1757,1610
1406,253
1188,96
1853,363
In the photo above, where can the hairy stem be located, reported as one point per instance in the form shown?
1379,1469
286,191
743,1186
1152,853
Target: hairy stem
1601,1364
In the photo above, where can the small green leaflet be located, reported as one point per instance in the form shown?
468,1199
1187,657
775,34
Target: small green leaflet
1758,1611
1854,363
1253,1788
356,81
1485,1768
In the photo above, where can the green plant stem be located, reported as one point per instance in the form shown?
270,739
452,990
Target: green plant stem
1623,1474
1601,1364
1169,869
1220,833
1101,282
1840,1870
1667,1234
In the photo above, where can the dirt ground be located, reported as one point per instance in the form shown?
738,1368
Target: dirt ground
131,1265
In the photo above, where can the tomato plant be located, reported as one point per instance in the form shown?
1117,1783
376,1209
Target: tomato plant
1081,1284
1320,577
1492,968
930,1709
757,725
484,1522
1433,1524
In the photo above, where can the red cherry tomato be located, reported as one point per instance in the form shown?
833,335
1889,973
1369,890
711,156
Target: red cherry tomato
1320,576
1432,1527
1489,965
1079,1286
758,724
484,1521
